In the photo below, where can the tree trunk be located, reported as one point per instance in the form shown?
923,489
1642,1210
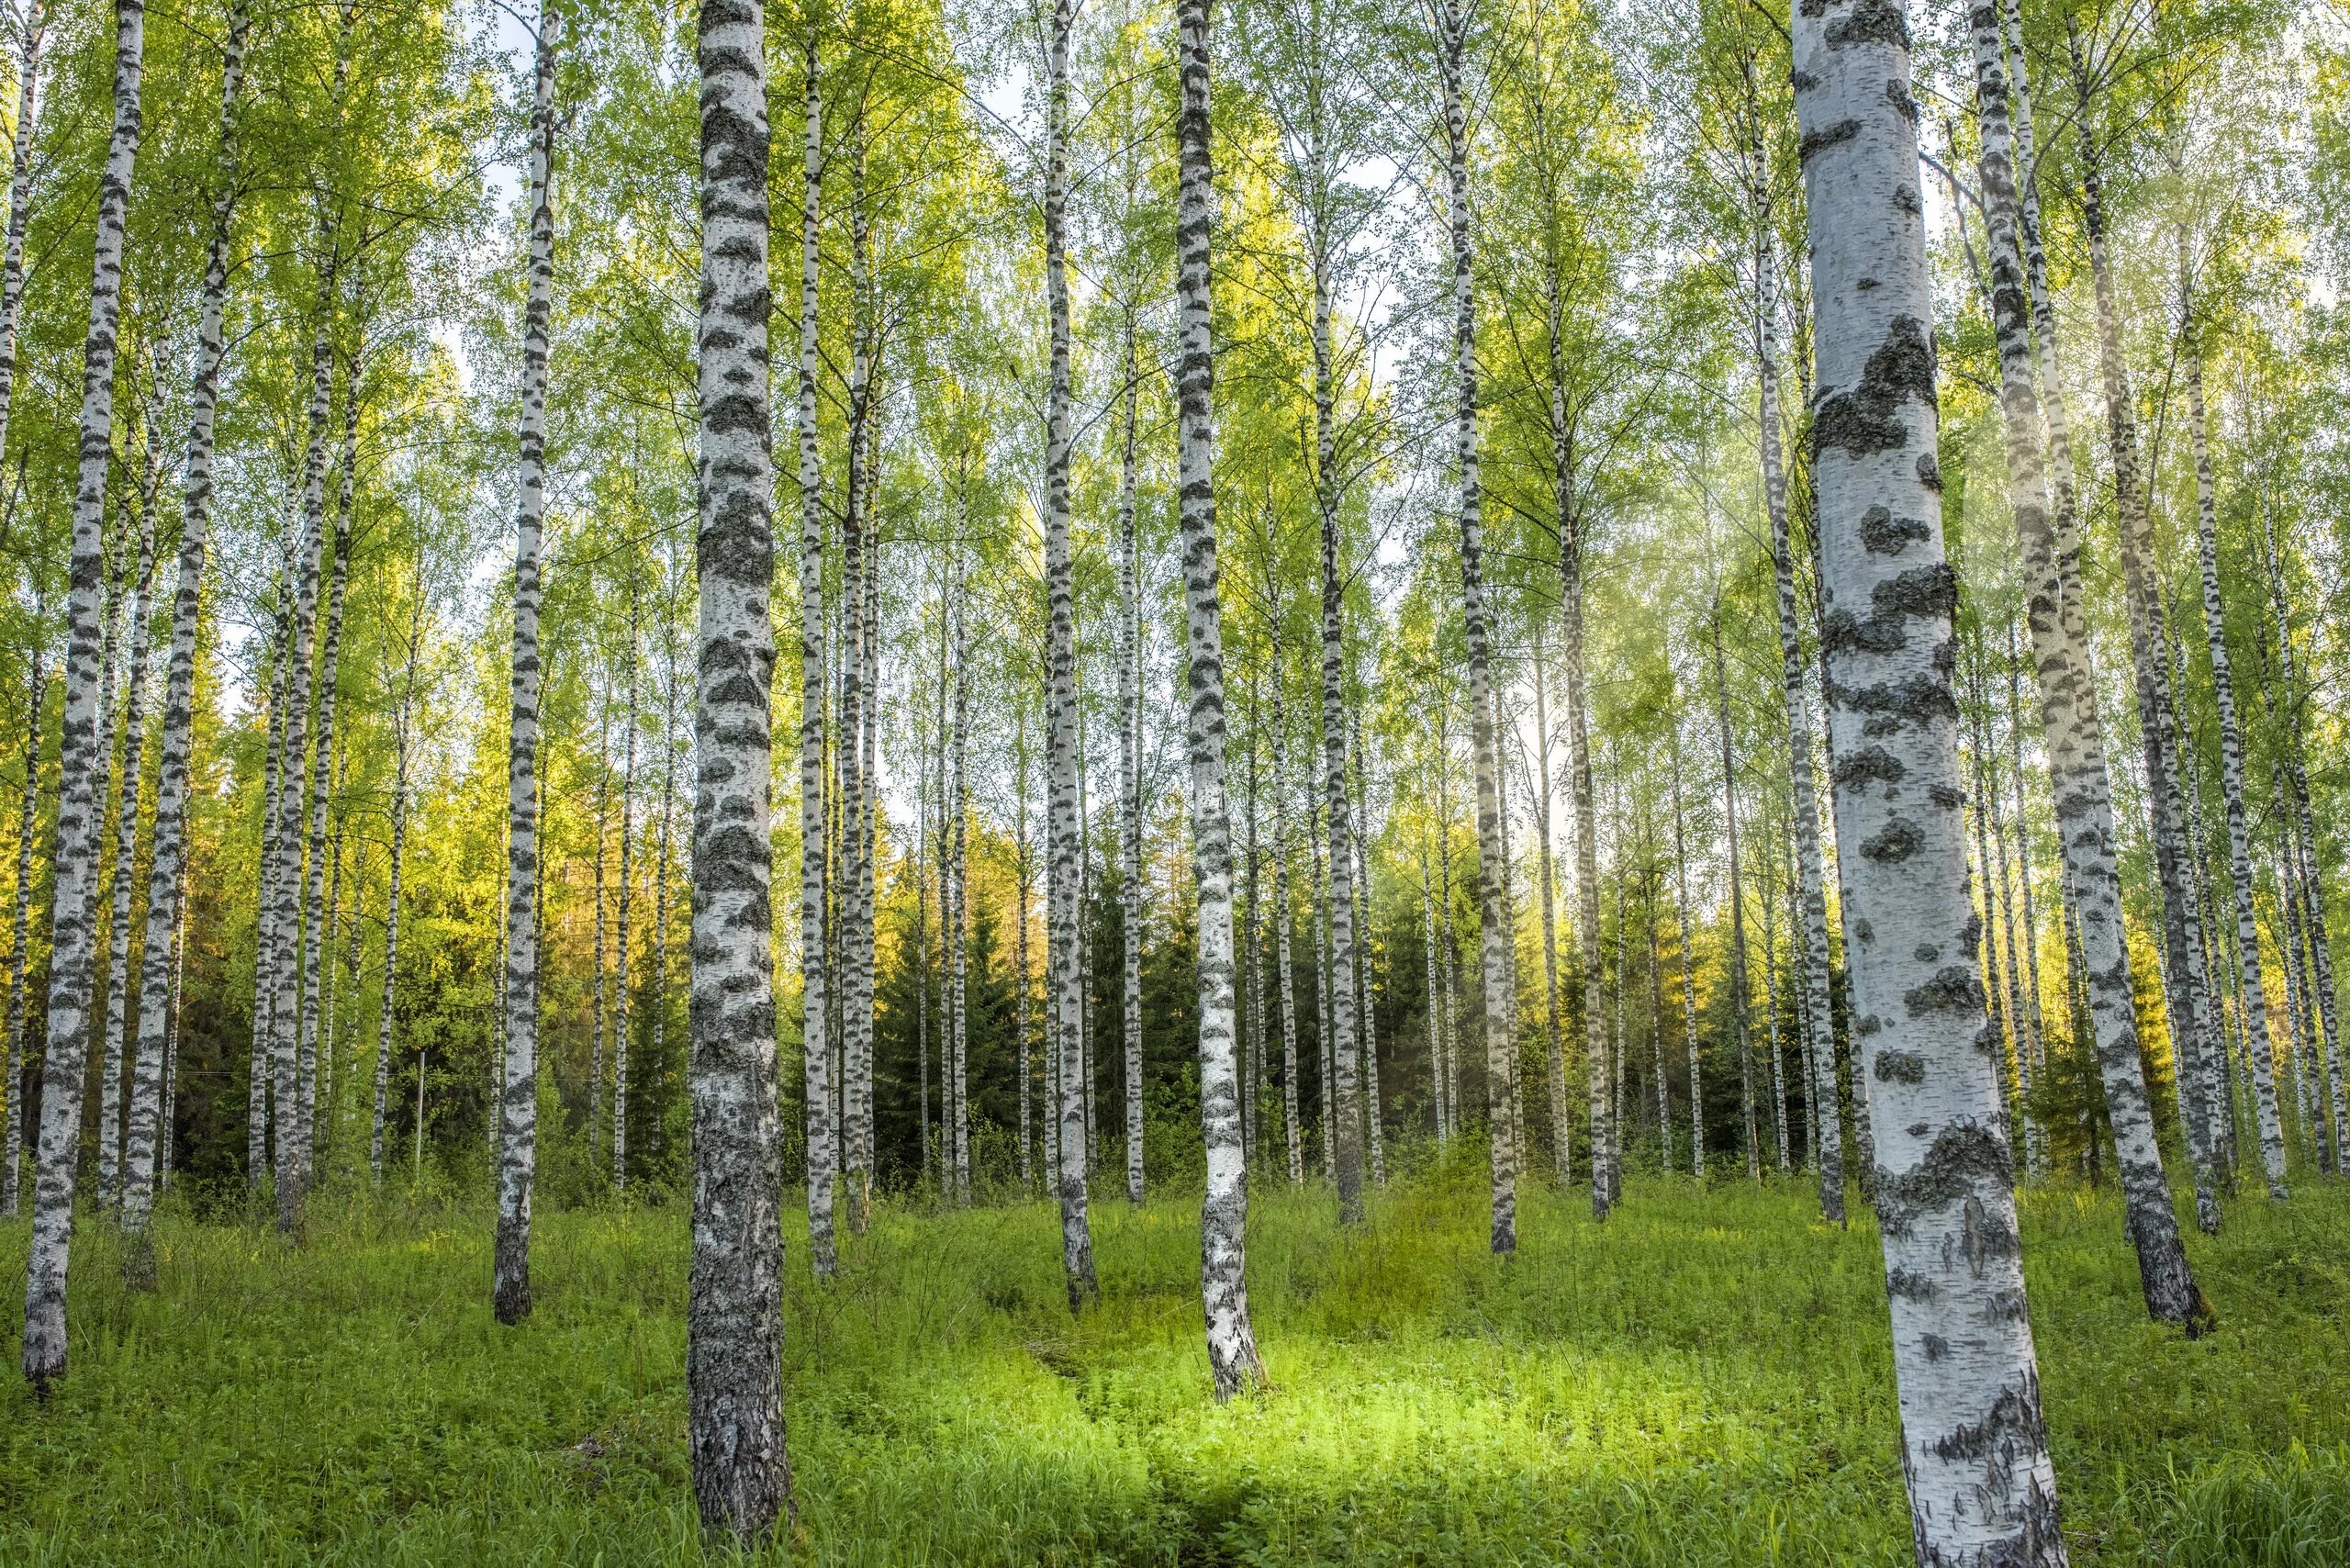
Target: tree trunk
519,1101
1130,912
855,904
2188,990
734,1309
1341,1113
1371,1111
1064,827
12,296
1454,23
823,1157
401,719
623,1000
958,921
1740,1006
1550,929
20,930
1981,1485
2302,832
1810,931
1285,979
20,199
1021,978
1689,964
315,958
2071,722
75,857
1233,1361
126,782
2256,1004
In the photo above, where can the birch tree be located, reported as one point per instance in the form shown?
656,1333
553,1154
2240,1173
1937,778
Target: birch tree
519,1099
72,939
1233,1361
734,1313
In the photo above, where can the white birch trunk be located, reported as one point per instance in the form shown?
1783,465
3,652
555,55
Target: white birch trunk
1492,875
519,1099
1064,827
1982,1489
822,1156
128,780
1233,1361
1130,889
34,28
734,1310
1811,959
2075,737
1689,965
75,857
20,929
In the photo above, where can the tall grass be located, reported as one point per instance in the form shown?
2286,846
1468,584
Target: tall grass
1703,1381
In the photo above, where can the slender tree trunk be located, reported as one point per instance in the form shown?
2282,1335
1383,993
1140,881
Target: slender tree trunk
2071,722
33,29
1233,1361
822,1157
1284,915
317,938
2255,1004
856,1044
1130,896
958,921
20,929
127,779
1550,929
1065,828
1982,1489
596,981
2193,1036
264,903
1341,1112
384,1022
1810,931
734,1312
150,1105
1021,977
74,859
624,1000
1371,1105
1740,1006
519,1099
2302,837
1454,23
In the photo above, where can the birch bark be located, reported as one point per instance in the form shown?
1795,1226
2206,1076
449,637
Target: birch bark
823,1158
519,1099
1064,827
1811,926
1130,892
734,1310
2050,553
75,857
1452,28
1233,1361
1981,1485
12,1153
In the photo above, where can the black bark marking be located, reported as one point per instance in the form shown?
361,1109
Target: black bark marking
1856,769
1953,986
1865,419
1870,21
1882,533
1899,840
1826,137
1900,1067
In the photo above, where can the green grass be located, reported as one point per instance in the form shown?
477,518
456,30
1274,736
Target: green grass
1705,1381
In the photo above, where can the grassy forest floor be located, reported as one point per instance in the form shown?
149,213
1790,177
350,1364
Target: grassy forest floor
1705,1381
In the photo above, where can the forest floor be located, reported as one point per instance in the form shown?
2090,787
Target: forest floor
1705,1381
